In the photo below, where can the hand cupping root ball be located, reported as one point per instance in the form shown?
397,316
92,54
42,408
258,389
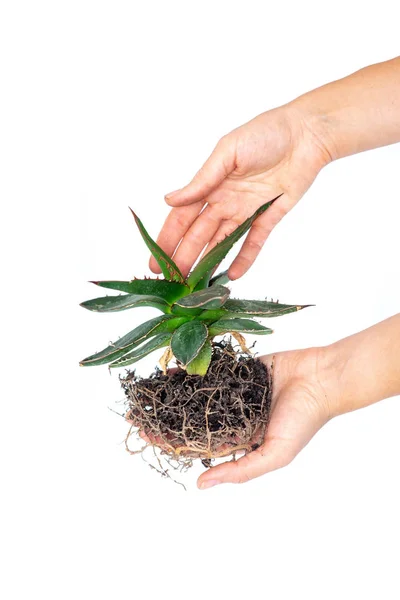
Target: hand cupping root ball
217,402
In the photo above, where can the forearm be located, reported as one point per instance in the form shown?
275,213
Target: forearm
357,113
364,368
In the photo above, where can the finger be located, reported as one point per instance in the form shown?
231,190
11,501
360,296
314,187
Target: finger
193,242
226,228
176,225
272,455
152,439
217,167
276,452
257,237
144,437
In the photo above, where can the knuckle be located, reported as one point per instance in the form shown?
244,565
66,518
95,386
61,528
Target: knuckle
283,462
242,474
243,260
199,176
285,459
182,222
255,244
243,478
223,142
279,213
192,237
279,453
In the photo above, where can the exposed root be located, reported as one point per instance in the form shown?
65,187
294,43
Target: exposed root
241,340
190,416
166,359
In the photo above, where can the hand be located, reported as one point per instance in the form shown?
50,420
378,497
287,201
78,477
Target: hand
310,387
304,397
313,385
275,153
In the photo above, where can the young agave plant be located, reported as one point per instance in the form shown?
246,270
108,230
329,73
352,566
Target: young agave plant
195,309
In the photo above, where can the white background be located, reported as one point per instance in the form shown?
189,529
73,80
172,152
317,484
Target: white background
110,104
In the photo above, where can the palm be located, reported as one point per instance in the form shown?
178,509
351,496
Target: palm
299,409
269,156
299,401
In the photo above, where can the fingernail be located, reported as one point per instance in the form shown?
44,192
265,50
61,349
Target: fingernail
204,485
168,196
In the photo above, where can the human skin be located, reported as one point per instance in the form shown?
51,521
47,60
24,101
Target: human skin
311,387
279,152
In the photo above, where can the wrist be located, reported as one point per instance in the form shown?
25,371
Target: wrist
317,126
362,369
356,113
332,364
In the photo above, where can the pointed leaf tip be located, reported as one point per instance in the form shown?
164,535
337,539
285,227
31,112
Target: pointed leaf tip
134,214
168,267
301,306
261,308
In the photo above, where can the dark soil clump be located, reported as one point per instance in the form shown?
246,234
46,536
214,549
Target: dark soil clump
190,416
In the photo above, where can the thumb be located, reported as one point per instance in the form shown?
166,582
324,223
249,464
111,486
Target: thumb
292,426
274,454
216,168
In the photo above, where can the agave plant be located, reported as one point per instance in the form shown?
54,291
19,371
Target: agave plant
195,310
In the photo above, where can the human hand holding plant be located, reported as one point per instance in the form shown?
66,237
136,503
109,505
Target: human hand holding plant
274,154
310,387
279,152
300,407
267,163
217,403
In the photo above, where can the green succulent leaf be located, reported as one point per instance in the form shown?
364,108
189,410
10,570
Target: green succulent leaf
200,364
170,291
261,308
162,324
207,264
168,267
201,285
209,298
241,325
158,341
117,303
209,316
220,279
188,340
